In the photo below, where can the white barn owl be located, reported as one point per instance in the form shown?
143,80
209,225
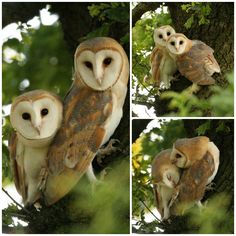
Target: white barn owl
163,66
192,185
92,111
199,157
194,59
35,116
165,177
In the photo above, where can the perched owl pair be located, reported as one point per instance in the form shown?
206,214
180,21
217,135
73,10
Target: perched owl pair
181,175
54,143
174,51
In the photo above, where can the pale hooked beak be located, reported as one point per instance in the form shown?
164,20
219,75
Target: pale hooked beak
37,125
38,128
98,74
173,161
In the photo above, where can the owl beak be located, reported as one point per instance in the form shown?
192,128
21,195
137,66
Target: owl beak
99,80
98,74
37,128
173,161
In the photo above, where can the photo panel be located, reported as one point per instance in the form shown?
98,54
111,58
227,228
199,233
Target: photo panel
182,59
66,117
183,176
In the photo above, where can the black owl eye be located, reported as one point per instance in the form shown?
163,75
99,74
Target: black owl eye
160,36
26,116
44,112
181,42
168,33
178,155
107,61
172,43
89,64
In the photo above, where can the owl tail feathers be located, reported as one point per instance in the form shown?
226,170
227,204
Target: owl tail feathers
57,186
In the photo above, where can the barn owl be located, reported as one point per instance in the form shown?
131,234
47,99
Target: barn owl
35,116
194,59
200,160
192,185
165,176
92,111
162,65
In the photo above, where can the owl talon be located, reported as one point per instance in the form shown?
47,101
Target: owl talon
109,149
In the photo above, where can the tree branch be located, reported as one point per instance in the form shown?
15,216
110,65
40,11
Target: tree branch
141,8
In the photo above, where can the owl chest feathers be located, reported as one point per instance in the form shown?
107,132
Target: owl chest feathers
31,155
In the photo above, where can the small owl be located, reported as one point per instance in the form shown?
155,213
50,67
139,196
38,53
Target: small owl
92,111
162,65
35,116
192,185
165,177
194,59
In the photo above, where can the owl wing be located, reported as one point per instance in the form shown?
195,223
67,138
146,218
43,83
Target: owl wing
158,199
193,183
77,141
155,60
198,64
17,169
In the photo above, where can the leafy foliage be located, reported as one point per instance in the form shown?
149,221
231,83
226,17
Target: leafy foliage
109,14
153,140
185,103
199,10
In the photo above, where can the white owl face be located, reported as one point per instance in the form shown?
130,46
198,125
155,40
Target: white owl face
162,34
178,158
99,70
177,44
37,119
171,177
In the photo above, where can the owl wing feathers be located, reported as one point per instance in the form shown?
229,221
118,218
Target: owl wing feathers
77,141
17,170
158,199
198,64
155,60
193,183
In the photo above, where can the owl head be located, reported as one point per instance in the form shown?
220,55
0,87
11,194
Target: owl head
178,44
188,150
100,62
163,171
36,115
162,34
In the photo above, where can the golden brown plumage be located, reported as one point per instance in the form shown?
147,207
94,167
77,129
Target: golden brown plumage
92,111
192,184
194,59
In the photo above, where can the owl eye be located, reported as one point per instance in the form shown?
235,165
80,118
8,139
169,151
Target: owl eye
107,61
172,43
160,36
88,64
181,42
26,116
168,33
178,155
44,112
